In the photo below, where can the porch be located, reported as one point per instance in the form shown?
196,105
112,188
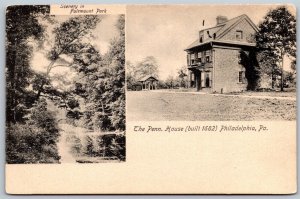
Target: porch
200,80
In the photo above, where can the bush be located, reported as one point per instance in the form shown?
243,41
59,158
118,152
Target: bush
35,140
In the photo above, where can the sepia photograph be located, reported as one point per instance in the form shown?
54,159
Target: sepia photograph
65,87
211,63
151,99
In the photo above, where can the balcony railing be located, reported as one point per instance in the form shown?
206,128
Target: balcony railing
197,64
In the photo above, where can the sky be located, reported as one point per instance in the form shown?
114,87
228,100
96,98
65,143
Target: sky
165,31
102,34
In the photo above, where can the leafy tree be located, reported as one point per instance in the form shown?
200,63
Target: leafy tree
22,27
130,74
170,82
277,35
35,140
69,41
268,65
101,84
148,66
252,73
182,75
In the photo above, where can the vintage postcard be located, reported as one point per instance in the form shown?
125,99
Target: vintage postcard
151,99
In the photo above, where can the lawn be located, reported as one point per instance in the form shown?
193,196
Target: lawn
160,106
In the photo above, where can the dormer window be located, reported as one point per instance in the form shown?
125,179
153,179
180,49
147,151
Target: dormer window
239,35
201,39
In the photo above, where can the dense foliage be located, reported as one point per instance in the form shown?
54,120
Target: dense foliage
96,97
101,84
32,131
33,141
146,67
276,40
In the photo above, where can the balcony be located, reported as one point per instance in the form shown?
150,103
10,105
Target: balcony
199,65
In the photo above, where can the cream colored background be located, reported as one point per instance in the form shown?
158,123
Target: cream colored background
231,162
111,9
199,162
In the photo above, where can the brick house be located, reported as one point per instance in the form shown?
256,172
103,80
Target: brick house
214,58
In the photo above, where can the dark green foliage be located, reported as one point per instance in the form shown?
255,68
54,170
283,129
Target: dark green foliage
148,66
72,103
249,61
276,39
21,24
102,84
114,145
98,97
31,129
35,140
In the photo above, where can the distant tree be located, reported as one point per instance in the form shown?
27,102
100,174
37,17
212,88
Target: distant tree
182,75
277,34
170,82
130,74
148,66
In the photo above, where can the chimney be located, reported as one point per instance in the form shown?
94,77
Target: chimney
221,19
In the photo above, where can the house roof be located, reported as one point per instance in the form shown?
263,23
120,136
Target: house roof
147,77
220,30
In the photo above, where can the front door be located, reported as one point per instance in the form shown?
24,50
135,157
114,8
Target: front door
198,80
207,80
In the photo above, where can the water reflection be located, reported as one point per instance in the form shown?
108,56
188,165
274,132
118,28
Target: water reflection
76,144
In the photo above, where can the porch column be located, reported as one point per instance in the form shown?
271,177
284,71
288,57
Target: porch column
202,80
191,78
198,80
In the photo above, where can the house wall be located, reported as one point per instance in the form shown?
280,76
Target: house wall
226,71
248,32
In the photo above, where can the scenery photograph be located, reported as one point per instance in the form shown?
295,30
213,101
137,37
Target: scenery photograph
65,87
211,63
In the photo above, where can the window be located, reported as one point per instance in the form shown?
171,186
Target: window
241,76
239,35
207,59
201,36
188,59
199,55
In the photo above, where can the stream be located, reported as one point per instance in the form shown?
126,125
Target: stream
80,145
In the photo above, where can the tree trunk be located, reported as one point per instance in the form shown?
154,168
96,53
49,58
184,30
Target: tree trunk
273,79
39,92
281,85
